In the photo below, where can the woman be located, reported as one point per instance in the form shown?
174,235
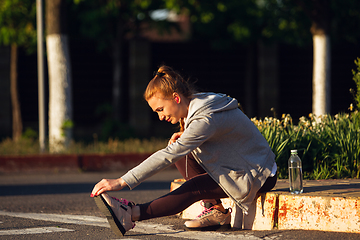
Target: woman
225,156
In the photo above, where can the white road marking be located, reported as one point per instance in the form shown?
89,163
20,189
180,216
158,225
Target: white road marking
127,239
145,228
73,219
34,231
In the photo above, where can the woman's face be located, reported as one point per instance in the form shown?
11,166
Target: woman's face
169,109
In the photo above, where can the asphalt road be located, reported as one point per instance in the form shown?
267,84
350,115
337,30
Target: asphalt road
58,206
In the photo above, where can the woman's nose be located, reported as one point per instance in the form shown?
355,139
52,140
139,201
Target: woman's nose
161,117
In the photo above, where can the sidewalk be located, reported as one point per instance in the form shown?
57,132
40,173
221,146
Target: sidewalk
325,205
70,162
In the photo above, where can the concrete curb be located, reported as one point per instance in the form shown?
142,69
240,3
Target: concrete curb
318,210
340,214
70,162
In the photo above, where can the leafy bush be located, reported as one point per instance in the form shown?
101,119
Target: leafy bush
328,146
356,78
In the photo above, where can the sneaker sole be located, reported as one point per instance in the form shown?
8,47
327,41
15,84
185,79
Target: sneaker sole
210,228
115,225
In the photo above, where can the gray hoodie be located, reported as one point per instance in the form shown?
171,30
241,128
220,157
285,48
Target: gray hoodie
224,142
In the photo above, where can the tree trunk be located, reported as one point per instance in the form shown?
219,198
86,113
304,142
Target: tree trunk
321,74
16,112
319,13
320,16
60,84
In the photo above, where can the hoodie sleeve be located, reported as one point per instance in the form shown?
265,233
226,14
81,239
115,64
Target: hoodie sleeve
197,133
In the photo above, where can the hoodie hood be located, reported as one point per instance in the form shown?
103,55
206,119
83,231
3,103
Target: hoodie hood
211,103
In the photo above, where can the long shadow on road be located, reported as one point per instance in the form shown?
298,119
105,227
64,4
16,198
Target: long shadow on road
65,188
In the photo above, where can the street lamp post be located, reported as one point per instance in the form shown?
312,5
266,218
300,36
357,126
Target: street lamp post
40,60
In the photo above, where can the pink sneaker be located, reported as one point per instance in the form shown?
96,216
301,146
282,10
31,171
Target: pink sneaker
117,212
210,219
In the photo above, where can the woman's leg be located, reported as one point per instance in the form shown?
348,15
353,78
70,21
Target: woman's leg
193,190
269,184
189,168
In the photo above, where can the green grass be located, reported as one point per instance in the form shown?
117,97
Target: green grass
27,146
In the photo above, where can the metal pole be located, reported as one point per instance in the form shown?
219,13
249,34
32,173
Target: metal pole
41,92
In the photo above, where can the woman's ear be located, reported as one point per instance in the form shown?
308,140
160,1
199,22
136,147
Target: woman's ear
177,97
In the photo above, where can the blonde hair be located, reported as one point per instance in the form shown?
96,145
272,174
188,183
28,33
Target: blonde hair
167,81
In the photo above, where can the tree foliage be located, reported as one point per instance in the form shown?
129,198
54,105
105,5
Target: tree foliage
346,21
101,20
18,23
227,21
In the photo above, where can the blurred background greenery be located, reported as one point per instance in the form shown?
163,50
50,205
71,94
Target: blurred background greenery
258,51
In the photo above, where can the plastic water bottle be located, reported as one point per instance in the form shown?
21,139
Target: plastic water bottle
295,173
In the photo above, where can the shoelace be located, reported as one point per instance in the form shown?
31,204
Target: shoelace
127,203
205,212
124,201
208,210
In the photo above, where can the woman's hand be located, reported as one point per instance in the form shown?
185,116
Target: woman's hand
108,185
174,137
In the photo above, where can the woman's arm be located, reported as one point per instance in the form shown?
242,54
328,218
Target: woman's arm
195,135
174,137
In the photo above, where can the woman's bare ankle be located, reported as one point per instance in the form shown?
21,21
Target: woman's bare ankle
135,213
